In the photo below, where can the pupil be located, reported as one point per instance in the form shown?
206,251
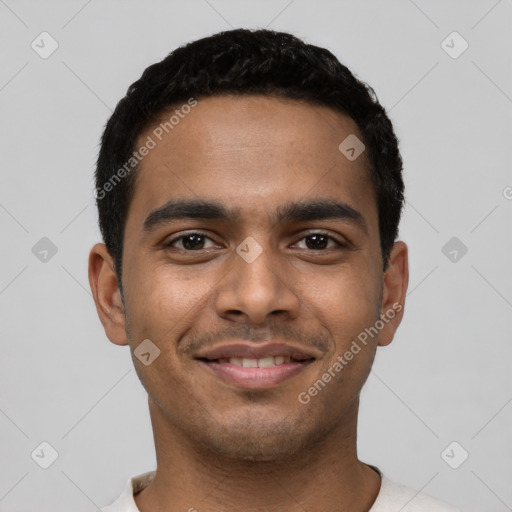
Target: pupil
188,245
313,242
316,245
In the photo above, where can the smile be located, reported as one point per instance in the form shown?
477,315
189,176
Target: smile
255,377
256,365
265,362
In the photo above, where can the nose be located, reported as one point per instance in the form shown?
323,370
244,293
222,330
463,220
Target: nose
254,290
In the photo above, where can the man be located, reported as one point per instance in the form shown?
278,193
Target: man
249,191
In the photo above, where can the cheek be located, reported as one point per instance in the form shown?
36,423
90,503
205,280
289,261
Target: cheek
164,304
345,301
346,305
163,307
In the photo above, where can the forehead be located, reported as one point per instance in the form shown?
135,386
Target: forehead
250,151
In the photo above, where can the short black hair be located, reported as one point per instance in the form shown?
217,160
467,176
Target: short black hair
244,62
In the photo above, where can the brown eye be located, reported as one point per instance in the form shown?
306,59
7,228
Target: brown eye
320,241
190,241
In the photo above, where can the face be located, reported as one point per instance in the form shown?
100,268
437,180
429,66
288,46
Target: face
252,263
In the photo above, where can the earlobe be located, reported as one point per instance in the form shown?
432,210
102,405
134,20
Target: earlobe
396,280
106,294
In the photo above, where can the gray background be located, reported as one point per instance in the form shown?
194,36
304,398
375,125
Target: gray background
446,376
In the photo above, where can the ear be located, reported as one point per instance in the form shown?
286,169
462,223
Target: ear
106,293
396,279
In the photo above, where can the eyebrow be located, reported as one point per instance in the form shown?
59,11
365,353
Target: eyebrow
292,211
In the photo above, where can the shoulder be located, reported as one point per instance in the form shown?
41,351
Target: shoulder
394,496
125,502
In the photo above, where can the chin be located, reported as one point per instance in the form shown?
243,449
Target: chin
261,441
258,450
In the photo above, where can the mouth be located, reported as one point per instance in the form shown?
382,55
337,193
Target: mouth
256,367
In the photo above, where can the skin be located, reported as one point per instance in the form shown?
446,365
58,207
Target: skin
218,446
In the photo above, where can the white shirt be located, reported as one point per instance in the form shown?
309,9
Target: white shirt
392,497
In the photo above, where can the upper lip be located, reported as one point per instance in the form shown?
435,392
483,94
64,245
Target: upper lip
259,351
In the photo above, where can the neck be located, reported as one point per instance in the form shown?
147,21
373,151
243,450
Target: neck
327,476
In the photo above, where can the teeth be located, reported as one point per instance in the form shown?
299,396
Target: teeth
265,362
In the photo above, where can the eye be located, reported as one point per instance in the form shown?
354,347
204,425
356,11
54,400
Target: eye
193,241
319,241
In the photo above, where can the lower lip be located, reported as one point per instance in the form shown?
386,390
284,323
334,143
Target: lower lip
256,378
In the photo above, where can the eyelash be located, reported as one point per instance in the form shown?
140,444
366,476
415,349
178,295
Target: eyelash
198,233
